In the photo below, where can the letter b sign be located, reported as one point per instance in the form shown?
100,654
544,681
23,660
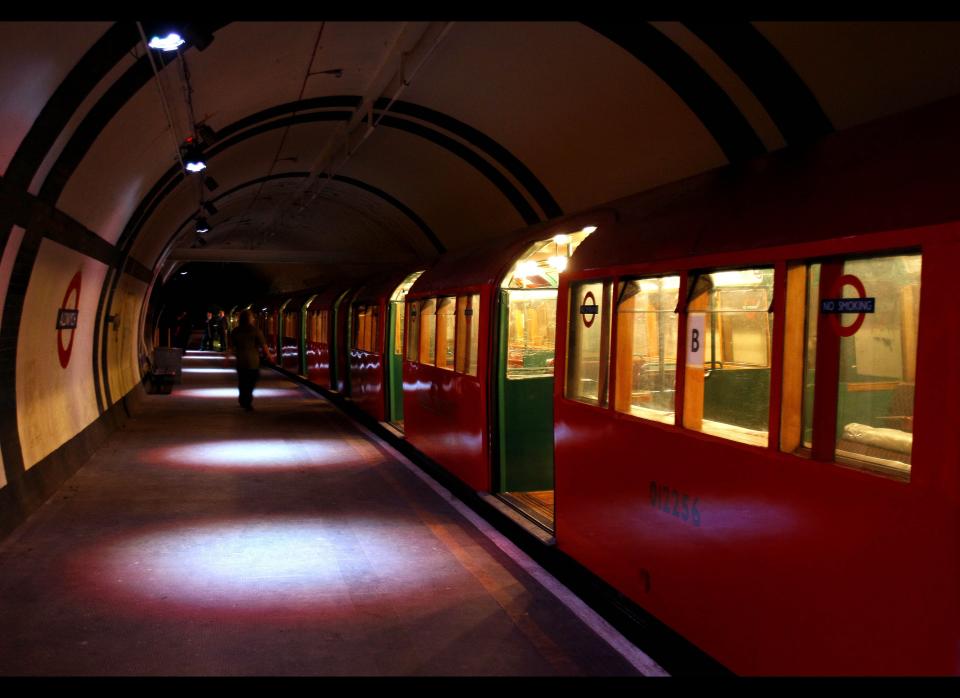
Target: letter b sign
695,324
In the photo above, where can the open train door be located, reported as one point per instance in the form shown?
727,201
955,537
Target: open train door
393,359
526,317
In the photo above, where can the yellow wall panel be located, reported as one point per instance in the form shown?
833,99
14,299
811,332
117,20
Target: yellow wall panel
122,339
55,402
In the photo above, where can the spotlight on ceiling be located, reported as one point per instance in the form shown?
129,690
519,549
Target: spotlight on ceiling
202,226
210,183
170,42
210,208
192,155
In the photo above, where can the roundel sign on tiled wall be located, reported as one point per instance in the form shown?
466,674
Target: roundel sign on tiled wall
67,319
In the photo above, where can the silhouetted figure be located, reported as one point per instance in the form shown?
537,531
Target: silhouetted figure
222,330
208,332
181,330
246,342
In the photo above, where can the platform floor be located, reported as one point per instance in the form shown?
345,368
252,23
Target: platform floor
205,540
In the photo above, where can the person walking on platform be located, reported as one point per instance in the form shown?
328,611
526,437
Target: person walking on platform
208,328
246,343
222,330
181,330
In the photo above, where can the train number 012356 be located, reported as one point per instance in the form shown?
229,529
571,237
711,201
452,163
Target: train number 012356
670,501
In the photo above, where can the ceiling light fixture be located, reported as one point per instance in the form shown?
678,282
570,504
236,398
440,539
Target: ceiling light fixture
192,154
171,42
558,262
202,226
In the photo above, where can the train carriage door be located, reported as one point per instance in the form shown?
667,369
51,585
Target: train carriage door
527,321
338,342
308,335
393,352
284,327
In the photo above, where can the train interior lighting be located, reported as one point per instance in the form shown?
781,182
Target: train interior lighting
542,264
558,262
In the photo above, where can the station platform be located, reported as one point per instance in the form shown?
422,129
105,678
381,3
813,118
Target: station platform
205,540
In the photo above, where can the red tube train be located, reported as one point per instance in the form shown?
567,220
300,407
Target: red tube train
732,398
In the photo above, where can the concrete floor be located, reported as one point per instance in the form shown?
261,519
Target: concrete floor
206,540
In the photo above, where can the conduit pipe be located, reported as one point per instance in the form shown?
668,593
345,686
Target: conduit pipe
366,108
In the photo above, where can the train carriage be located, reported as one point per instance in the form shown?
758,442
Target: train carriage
326,323
756,426
376,346
478,369
290,357
732,398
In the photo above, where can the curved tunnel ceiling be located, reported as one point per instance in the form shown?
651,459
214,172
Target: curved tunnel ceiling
350,145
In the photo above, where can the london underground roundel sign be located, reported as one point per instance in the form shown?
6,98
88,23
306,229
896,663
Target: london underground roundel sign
67,319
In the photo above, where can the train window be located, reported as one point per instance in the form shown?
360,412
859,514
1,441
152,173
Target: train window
359,326
313,333
647,348
413,331
428,331
290,325
370,331
878,361
365,327
728,351
446,331
863,324
866,314
589,342
468,319
531,331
